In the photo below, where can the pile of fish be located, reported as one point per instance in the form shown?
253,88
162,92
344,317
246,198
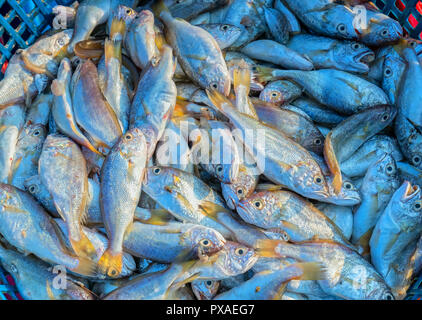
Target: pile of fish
213,149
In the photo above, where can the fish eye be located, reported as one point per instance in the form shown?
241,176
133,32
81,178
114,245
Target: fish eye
285,236
385,117
224,27
219,168
240,251
127,11
389,296
214,85
341,28
317,141
33,188
416,159
239,191
208,283
348,185
318,180
390,169
112,273
384,32
205,243
413,43
356,46
275,94
156,170
388,72
258,204
128,137
36,133
417,206
60,42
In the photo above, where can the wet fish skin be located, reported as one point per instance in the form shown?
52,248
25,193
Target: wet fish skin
140,39
12,119
62,108
370,152
191,8
26,226
271,51
122,175
205,289
347,274
280,92
286,211
277,24
394,68
27,153
183,195
62,169
381,29
294,25
39,111
92,111
328,53
380,182
198,54
398,226
295,126
155,99
172,241
224,34
324,84
342,217
409,139
35,280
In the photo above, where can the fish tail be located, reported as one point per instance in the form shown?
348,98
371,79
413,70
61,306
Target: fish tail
118,29
219,100
112,49
242,77
267,248
180,108
83,247
86,267
57,88
111,264
160,41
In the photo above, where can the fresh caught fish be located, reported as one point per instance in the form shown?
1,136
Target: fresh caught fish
277,24
224,34
39,111
280,92
205,289
318,113
342,217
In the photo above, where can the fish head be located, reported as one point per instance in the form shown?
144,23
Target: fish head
159,179
261,208
384,170
205,289
311,182
339,22
124,13
217,77
32,136
243,187
144,18
132,144
381,29
348,196
206,240
57,44
381,292
417,45
278,92
225,34
166,62
33,185
11,261
236,258
353,56
393,70
406,206
57,143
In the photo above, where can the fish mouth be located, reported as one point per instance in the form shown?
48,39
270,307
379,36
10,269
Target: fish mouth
363,59
408,191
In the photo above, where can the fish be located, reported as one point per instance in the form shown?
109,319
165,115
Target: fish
380,182
205,289
355,130
26,226
190,9
327,53
288,212
39,111
347,274
183,195
278,25
409,139
37,280
274,52
224,34
398,227
342,216
172,242
12,120
393,70
294,25
280,92
324,84
202,62
121,178
62,169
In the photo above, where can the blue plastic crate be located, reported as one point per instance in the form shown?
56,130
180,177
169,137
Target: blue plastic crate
7,291
407,12
22,22
415,292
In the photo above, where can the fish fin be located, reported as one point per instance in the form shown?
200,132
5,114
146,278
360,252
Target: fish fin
83,247
211,209
16,164
311,271
158,217
57,87
160,41
111,264
86,267
267,248
363,242
262,74
49,290
242,77
61,237
112,49
118,29
280,291
219,100
332,163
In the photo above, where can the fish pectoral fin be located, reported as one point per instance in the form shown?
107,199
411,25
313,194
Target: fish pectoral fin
332,162
312,271
211,209
280,291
